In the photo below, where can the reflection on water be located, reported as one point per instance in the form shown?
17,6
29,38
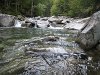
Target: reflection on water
26,51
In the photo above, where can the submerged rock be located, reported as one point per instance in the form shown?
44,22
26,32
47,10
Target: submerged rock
6,20
89,36
51,38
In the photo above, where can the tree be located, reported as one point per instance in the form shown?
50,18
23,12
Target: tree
73,8
59,7
80,8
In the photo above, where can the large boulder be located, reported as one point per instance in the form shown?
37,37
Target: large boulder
6,20
42,24
29,22
76,24
20,17
30,25
89,36
55,19
98,47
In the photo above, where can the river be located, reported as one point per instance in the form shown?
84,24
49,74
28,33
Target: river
36,51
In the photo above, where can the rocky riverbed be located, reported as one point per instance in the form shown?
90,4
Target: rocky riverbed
45,46
47,52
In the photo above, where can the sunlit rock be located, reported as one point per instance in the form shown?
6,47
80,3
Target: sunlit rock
38,17
65,21
89,36
29,22
83,20
55,19
7,20
42,24
44,18
74,25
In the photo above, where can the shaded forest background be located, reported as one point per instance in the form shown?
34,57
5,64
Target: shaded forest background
72,8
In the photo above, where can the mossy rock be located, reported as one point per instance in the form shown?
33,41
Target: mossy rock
1,47
10,42
1,39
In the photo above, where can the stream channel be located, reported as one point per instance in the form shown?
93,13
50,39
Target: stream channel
35,51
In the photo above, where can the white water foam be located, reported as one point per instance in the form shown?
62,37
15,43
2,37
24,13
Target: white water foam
17,23
51,27
57,50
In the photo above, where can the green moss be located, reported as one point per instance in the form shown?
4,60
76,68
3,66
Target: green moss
10,42
14,67
1,39
70,39
1,47
77,40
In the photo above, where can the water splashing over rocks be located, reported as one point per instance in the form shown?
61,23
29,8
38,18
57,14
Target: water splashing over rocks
45,52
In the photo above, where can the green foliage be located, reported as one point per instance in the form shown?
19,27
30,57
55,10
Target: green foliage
41,9
54,10
1,47
80,7
59,7
73,8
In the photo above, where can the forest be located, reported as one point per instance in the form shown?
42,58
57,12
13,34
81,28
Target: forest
72,8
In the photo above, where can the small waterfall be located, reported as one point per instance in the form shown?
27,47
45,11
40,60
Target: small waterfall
17,23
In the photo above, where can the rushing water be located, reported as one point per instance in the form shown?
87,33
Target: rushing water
29,51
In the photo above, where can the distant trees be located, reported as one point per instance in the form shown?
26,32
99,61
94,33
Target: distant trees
80,7
15,6
42,7
59,7
73,8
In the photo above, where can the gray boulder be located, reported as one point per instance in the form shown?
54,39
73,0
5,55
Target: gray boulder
89,36
20,17
29,22
98,47
55,19
42,24
6,20
30,25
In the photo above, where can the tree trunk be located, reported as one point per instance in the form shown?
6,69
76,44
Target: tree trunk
32,9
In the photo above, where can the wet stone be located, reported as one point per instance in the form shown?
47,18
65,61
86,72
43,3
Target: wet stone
51,38
48,62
